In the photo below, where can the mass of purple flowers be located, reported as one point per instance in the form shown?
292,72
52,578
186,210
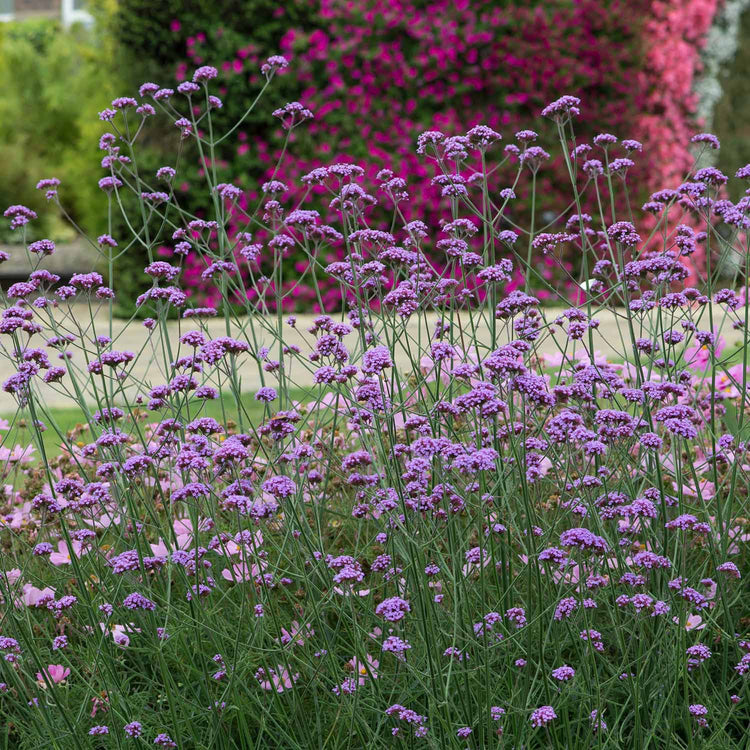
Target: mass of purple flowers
444,495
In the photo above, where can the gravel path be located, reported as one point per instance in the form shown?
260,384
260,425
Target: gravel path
147,370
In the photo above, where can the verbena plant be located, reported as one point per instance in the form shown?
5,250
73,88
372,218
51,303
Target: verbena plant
479,533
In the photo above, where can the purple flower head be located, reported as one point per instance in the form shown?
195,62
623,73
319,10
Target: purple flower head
605,139
631,145
280,487
707,138
106,240
19,215
147,89
533,157
110,183
188,88
393,609
542,716
583,539
165,173
205,73
396,646
273,64
730,569
164,740
526,136
480,137
292,114
376,360
563,673
49,185
124,102
624,232
133,729
563,108
138,601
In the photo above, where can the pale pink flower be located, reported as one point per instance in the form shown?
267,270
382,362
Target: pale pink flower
55,673
11,576
280,680
19,518
725,381
19,454
34,597
296,634
119,632
103,519
240,572
693,622
361,668
64,554
698,357
707,489
349,591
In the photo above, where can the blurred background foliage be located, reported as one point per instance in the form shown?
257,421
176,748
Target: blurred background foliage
731,121
55,81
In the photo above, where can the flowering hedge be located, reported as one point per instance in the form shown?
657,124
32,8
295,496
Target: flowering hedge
475,530
376,73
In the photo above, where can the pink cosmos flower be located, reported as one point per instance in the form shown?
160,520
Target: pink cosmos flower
119,632
63,554
280,680
707,489
240,572
19,518
230,547
184,526
19,454
11,576
693,622
349,591
365,669
34,597
725,381
698,358
55,673
296,634
183,529
102,517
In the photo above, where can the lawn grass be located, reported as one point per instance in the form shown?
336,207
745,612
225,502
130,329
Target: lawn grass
63,420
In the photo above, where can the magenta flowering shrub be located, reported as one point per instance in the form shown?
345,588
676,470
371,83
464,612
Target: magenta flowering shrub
474,529
375,73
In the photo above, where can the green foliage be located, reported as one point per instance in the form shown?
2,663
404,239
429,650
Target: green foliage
153,43
732,114
55,82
